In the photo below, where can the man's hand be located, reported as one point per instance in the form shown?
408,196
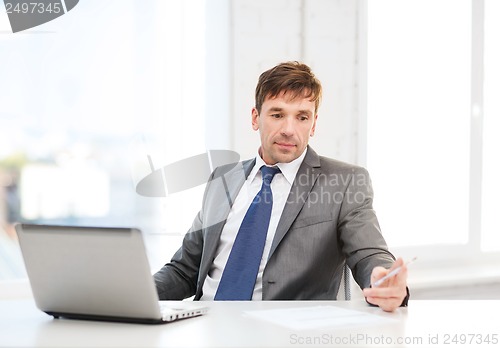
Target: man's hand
391,293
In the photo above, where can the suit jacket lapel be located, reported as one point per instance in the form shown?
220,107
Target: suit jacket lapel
234,180
302,185
226,191
231,182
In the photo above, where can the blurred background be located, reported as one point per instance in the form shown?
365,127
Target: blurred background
92,102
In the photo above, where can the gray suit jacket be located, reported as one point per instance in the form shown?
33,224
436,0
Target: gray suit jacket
328,220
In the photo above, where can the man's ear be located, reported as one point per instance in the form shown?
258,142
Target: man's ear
255,119
313,129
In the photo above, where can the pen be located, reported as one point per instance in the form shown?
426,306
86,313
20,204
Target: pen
391,273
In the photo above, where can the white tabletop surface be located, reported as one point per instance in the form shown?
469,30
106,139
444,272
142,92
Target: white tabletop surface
228,324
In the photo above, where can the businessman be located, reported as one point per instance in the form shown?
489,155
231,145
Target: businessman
281,226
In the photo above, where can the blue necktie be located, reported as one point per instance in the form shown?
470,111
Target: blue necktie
240,273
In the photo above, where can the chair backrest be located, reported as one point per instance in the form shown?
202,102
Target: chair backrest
344,293
347,283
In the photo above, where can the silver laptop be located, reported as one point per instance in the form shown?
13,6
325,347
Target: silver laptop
95,273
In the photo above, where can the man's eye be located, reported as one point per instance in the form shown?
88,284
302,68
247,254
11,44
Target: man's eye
276,115
303,118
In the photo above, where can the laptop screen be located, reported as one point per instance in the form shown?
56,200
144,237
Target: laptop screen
89,270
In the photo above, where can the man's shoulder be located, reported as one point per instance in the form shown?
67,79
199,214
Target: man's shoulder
333,165
330,165
245,165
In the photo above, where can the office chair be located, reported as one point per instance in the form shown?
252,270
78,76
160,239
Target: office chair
347,283
344,293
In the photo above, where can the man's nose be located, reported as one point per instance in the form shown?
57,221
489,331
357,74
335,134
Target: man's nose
287,127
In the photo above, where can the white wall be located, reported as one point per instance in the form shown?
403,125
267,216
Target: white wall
321,33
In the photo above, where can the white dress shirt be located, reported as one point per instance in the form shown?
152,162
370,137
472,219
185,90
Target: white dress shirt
280,186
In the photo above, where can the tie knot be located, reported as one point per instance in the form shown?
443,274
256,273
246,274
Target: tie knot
268,173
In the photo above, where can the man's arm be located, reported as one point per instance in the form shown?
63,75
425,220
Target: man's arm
364,246
359,231
178,278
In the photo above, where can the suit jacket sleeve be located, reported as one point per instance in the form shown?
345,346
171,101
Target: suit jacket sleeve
359,230
177,279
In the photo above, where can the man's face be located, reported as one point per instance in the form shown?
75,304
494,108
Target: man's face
285,126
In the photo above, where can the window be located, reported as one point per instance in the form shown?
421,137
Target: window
418,119
84,100
431,141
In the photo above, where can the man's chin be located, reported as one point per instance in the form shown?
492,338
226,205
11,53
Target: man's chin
285,156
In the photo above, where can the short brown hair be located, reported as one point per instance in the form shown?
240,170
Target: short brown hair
289,77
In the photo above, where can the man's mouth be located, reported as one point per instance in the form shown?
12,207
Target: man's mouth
285,144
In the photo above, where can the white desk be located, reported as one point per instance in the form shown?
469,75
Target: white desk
226,325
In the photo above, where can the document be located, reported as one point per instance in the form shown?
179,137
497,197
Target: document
317,317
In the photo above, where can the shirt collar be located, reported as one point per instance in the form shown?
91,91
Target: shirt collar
289,170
